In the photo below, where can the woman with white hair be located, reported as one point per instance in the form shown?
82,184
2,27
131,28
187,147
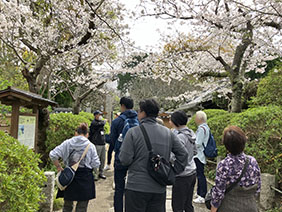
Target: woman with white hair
202,137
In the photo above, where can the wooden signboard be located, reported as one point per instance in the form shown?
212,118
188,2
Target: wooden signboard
27,130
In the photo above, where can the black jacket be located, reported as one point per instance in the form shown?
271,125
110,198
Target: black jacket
97,134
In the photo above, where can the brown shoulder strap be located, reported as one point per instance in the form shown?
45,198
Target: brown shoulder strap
75,166
203,128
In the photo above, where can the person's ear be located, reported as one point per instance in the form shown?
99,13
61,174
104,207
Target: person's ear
76,134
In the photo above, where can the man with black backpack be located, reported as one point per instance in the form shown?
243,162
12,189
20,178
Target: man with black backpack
206,147
119,128
144,191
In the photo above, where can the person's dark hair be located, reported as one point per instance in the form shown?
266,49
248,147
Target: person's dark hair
234,140
150,107
179,118
82,129
127,102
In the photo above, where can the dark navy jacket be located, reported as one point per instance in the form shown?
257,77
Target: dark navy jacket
117,127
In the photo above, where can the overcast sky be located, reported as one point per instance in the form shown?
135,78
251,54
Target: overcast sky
146,31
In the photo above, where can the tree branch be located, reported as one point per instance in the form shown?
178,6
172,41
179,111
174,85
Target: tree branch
255,10
170,16
273,24
13,48
32,48
213,74
101,19
86,93
40,64
241,48
222,61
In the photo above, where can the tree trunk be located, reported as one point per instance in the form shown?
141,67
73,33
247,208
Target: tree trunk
42,135
76,101
43,123
76,107
43,119
237,91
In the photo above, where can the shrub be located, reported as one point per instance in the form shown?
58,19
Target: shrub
86,115
90,117
62,126
217,124
58,204
21,180
210,114
270,89
263,127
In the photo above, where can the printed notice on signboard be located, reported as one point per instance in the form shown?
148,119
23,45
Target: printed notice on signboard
26,132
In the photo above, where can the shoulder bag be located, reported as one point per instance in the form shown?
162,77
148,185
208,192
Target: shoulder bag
208,197
158,167
65,177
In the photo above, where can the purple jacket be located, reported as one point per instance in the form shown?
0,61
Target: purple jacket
229,170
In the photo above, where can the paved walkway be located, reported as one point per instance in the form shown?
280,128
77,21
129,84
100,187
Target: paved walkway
105,193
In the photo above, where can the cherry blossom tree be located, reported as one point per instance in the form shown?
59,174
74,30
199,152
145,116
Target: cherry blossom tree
54,33
79,83
224,38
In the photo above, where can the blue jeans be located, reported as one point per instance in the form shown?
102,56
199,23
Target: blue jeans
119,178
202,182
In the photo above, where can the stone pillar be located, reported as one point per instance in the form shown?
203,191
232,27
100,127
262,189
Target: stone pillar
267,194
48,192
218,159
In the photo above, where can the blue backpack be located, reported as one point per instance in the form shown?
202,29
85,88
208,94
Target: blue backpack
210,150
128,123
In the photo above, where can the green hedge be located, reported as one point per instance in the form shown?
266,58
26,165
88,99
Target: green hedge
217,125
62,126
210,114
21,180
86,115
263,127
270,89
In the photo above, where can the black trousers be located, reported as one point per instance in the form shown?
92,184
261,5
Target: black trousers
119,178
81,206
182,194
144,202
110,153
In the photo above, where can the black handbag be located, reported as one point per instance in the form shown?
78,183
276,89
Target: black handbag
158,167
208,197
65,177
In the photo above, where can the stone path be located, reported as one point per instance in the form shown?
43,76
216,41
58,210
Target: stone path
105,193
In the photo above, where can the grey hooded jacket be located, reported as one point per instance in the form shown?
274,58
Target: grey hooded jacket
71,150
188,139
134,153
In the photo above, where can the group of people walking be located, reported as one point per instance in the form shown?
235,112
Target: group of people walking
181,146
